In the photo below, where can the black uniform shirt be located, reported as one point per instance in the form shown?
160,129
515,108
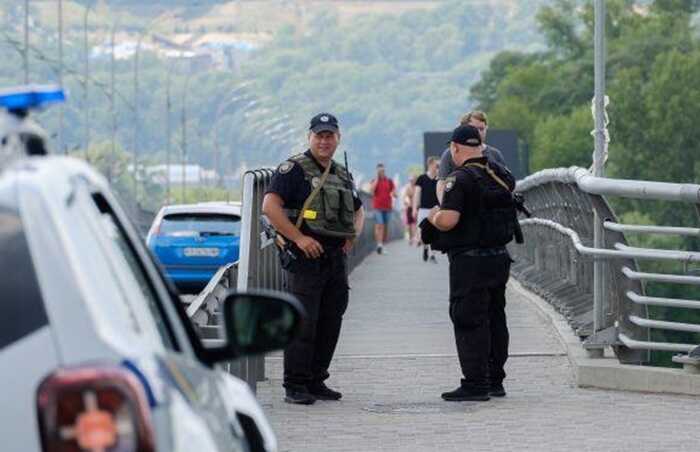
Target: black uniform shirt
428,191
291,185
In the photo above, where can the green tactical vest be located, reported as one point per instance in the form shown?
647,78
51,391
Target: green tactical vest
332,211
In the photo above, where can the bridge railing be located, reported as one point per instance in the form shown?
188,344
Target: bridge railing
258,267
557,259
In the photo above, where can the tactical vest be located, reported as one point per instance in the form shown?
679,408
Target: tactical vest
332,212
493,225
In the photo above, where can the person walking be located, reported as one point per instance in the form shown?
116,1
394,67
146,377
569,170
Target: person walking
383,193
408,211
477,217
312,203
479,120
425,198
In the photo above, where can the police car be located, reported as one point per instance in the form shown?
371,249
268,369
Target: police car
96,351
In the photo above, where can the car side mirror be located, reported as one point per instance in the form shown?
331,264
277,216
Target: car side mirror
256,322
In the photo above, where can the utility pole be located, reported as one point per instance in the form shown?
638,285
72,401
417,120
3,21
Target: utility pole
184,135
599,295
25,54
61,107
137,124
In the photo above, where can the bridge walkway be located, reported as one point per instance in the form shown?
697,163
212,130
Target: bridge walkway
396,356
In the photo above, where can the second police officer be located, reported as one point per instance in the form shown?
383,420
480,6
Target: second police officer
311,202
477,219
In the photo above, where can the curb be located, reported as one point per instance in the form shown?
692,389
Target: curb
607,372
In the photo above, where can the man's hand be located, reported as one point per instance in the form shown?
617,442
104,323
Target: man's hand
347,246
432,213
310,247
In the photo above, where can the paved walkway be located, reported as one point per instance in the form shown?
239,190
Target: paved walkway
396,356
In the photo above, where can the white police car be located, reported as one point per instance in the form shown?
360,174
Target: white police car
96,351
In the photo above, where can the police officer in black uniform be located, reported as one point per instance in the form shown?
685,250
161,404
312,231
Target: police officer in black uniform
477,219
312,203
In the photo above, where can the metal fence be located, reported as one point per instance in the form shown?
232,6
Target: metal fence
258,267
558,258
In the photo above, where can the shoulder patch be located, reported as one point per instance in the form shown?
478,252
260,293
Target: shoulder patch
450,183
285,167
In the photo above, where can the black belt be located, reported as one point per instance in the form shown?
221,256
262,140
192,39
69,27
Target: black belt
478,252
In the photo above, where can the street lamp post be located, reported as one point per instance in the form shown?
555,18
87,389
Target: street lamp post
112,109
599,308
168,131
25,54
86,85
184,135
137,122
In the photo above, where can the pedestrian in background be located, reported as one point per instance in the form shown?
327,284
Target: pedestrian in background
407,209
425,198
479,120
383,193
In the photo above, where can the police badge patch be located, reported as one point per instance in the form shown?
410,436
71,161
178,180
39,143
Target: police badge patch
449,183
285,167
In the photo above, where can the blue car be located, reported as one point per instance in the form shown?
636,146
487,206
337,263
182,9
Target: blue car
193,241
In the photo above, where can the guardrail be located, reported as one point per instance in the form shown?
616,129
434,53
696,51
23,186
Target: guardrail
258,267
558,256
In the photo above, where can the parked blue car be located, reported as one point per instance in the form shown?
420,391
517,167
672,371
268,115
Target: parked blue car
192,241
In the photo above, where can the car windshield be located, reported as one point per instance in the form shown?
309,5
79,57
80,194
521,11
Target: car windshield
189,225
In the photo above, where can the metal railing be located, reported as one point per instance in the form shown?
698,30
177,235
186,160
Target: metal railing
558,256
258,268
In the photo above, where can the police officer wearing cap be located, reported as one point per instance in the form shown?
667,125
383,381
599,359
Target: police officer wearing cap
317,194
477,219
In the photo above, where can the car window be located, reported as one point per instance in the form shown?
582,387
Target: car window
115,232
186,225
22,307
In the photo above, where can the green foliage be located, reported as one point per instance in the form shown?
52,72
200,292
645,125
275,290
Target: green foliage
653,69
653,83
563,140
390,78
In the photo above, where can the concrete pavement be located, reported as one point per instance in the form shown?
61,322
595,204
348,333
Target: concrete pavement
396,355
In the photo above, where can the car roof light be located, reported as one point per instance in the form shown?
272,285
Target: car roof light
30,97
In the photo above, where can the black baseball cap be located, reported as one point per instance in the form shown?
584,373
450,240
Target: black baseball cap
324,122
466,136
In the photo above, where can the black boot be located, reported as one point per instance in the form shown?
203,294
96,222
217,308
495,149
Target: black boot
466,392
497,390
323,392
299,396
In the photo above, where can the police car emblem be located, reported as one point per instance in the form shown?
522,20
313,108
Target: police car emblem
449,184
315,181
324,118
285,167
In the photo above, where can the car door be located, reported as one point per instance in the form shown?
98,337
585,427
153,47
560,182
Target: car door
195,382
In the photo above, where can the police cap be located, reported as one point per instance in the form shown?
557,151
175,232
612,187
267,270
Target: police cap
466,136
324,122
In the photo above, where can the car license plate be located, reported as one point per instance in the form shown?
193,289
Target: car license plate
201,252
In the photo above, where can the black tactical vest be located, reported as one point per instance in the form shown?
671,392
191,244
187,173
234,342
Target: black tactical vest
493,225
331,213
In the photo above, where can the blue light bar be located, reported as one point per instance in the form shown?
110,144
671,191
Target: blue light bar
30,97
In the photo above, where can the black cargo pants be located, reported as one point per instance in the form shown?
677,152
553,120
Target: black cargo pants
477,311
321,285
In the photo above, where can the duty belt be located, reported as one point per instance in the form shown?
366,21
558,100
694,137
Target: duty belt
478,252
